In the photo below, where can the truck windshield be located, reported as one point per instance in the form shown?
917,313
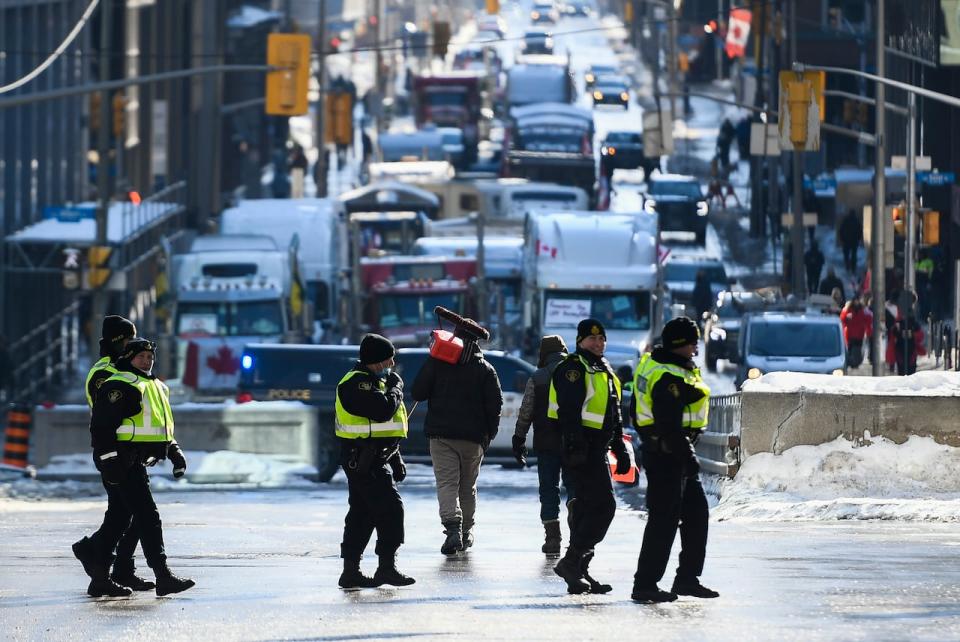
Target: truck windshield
688,272
398,310
795,339
676,188
446,99
235,319
616,310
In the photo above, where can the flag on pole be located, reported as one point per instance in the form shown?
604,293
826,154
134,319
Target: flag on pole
738,32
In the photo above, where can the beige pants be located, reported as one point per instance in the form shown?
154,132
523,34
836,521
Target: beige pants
456,464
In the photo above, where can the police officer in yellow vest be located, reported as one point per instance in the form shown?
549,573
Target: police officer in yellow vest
371,420
131,427
671,413
584,401
115,333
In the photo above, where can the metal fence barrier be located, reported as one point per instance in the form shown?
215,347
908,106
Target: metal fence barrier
46,356
718,448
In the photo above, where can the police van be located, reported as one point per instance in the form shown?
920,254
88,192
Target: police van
310,374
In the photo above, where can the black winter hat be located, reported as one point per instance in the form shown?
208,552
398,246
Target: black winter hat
115,329
590,327
375,348
680,332
134,347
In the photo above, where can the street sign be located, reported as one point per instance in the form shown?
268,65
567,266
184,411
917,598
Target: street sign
809,219
70,213
757,147
657,133
937,178
922,163
815,108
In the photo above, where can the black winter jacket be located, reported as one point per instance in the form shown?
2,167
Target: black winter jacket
670,395
464,399
533,409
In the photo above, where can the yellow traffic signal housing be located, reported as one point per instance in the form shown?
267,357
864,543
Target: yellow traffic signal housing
799,101
493,6
441,38
287,87
931,227
97,271
628,12
849,111
338,119
119,105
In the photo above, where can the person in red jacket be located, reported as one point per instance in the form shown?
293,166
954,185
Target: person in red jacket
905,338
857,323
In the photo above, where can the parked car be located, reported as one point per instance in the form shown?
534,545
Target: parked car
680,276
595,71
680,204
310,374
790,341
721,328
611,90
624,150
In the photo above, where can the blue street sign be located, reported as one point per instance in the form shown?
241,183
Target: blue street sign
70,213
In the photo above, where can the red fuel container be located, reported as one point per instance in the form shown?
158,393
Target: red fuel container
445,347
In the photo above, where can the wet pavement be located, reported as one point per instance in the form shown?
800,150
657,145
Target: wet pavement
266,565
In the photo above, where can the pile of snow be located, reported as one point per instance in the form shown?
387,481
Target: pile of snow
918,480
927,384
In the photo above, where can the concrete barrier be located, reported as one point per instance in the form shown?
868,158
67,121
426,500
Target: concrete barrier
772,422
269,428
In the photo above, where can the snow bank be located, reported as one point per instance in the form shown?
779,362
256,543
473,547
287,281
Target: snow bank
918,480
927,384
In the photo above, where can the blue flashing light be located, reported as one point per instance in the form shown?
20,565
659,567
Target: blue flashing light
246,362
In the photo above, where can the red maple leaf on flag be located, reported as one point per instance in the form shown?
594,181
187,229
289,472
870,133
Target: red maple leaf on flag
224,363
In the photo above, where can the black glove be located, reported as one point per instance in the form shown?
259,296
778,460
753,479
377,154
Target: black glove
393,380
574,448
398,467
110,466
520,449
175,455
619,449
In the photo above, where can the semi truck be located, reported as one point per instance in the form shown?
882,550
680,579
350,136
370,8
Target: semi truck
591,264
451,99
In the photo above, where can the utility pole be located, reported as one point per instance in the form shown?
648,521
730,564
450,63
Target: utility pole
672,62
98,308
879,200
909,246
796,232
718,51
378,61
321,169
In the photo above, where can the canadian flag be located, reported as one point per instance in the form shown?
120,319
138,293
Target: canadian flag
543,248
738,32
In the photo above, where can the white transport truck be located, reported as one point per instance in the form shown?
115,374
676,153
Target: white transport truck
591,264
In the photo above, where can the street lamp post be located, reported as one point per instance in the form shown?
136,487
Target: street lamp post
877,275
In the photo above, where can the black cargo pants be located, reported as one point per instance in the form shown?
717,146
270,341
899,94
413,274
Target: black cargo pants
375,505
131,515
593,504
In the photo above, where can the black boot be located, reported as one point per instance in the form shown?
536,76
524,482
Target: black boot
651,595
454,542
103,586
125,574
552,538
387,573
93,563
468,539
569,568
693,588
353,578
168,583
595,586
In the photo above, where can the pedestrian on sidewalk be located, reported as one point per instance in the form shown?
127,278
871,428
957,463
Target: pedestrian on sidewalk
463,416
813,262
678,401
371,421
725,139
546,440
298,171
832,282
702,297
857,322
131,427
851,235
585,403
904,335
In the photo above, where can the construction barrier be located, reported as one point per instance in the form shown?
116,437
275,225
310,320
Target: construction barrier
718,449
16,444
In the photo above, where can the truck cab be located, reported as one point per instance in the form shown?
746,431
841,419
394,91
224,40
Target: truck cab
451,99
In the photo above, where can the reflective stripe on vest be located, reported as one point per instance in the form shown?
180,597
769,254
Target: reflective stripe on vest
641,408
350,426
594,407
103,363
154,422
695,415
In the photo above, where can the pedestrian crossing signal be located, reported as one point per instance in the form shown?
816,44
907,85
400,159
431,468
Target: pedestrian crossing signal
287,86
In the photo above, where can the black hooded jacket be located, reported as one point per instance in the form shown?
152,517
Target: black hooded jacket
464,398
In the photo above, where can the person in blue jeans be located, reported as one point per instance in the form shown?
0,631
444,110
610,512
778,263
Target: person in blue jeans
546,440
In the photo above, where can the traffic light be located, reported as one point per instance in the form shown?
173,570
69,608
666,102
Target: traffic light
441,38
94,111
628,12
493,6
863,114
931,227
287,87
119,104
335,43
338,118
98,272
899,217
798,98
849,112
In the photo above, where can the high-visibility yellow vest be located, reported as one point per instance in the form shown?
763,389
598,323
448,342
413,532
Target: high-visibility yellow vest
695,415
642,407
349,426
103,363
154,422
598,394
